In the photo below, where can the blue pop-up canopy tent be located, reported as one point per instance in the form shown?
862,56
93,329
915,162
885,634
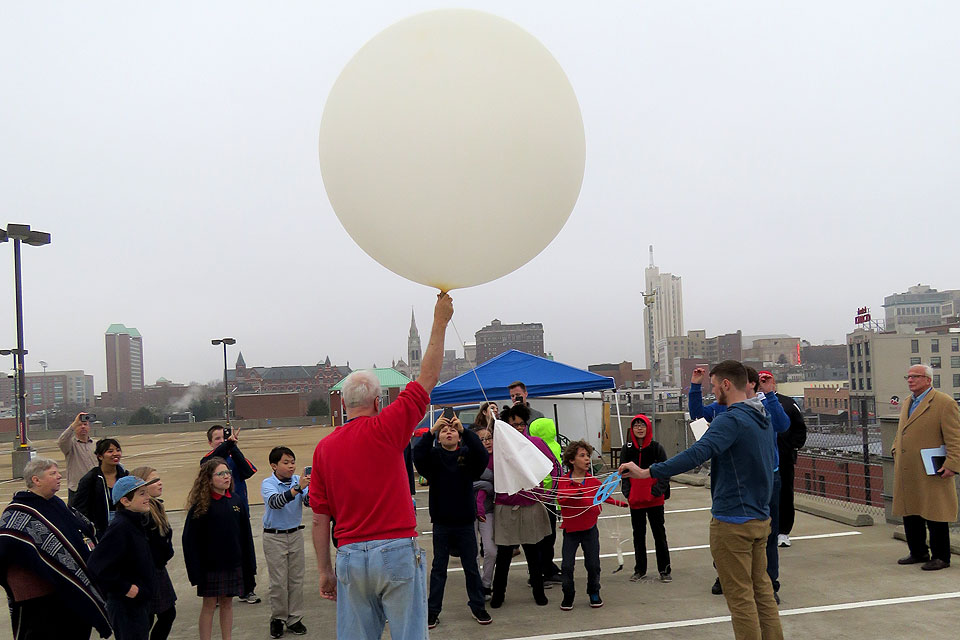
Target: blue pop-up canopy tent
541,376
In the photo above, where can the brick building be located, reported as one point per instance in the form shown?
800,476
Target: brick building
830,401
623,374
251,406
497,338
307,379
51,390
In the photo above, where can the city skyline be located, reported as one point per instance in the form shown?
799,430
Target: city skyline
774,158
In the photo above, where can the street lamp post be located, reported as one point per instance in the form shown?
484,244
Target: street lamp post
43,394
226,392
21,233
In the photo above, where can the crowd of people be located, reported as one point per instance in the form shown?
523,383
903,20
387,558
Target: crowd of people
102,557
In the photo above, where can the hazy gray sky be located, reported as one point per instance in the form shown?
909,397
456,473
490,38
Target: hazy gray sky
792,161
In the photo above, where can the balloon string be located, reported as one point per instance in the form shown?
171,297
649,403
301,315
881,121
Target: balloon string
473,366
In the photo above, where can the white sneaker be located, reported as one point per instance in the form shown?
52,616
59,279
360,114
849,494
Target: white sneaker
783,540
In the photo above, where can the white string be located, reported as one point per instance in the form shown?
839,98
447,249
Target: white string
473,366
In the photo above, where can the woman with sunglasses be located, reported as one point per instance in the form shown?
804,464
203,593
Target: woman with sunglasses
216,545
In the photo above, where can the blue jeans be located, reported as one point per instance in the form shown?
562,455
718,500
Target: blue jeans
464,539
589,541
380,581
773,553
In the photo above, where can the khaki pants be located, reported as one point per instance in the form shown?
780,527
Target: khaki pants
739,551
284,555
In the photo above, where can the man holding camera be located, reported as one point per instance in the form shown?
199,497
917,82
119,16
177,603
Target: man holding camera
78,448
518,394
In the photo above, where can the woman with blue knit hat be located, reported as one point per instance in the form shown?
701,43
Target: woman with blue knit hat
122,564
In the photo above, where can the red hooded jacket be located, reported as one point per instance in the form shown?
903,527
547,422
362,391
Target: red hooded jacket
640,493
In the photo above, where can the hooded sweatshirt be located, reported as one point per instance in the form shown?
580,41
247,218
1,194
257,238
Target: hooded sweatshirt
741,451
649,492
546,430
767,404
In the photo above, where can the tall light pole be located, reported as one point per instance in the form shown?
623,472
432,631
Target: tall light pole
226,392
649,299
21,233
43,394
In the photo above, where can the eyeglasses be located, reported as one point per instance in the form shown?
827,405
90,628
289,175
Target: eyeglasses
915,375
490,439
223,474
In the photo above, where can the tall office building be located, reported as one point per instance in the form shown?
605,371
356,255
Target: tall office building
124,359
667,307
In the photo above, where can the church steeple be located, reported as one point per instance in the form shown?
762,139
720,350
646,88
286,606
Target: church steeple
240,363
413,347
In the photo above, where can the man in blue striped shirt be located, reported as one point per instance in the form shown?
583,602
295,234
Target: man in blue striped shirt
284,494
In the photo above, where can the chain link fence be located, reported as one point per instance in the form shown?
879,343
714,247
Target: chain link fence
841,464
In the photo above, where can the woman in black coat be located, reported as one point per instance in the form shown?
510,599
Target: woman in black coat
93,497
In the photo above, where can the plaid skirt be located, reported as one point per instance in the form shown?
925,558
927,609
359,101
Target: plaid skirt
164,596
228,582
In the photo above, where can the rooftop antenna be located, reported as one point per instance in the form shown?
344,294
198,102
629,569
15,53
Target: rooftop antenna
651,256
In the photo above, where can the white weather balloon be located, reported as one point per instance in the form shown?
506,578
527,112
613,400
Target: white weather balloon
452,148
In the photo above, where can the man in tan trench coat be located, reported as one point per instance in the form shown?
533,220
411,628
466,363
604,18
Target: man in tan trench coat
928,419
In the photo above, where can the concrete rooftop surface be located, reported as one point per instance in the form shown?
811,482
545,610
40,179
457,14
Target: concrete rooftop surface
837,581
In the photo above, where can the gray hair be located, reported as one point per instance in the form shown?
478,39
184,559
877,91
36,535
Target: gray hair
35,468
927,370
360,389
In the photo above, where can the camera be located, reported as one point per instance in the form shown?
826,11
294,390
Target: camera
88,417
449,414
227,432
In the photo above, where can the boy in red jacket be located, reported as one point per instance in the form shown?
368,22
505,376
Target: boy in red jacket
575,493
646,498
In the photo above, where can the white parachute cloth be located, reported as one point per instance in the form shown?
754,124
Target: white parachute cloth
517,462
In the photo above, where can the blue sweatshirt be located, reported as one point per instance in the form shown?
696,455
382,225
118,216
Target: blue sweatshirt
741,454
779,417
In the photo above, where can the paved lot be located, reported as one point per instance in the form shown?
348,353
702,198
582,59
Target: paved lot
838,582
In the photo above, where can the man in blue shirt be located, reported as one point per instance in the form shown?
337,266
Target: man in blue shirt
284,494
742,453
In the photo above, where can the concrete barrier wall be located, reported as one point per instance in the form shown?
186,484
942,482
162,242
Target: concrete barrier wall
99,430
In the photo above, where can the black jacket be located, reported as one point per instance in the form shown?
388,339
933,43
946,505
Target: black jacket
93,498
123,558
791,440
654,452
161,545
451,475
219,540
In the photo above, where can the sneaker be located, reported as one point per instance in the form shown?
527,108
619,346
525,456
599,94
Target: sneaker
496,600
783,540
665,577
567,603
637,576
297,628
595,601
556,578
540,599
276,628
487,593
433,619
482,616
716,589
251,598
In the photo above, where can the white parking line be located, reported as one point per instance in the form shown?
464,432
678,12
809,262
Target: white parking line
818,536
624,515
694,622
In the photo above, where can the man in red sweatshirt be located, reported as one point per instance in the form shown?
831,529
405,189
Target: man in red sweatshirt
360,480
575,494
